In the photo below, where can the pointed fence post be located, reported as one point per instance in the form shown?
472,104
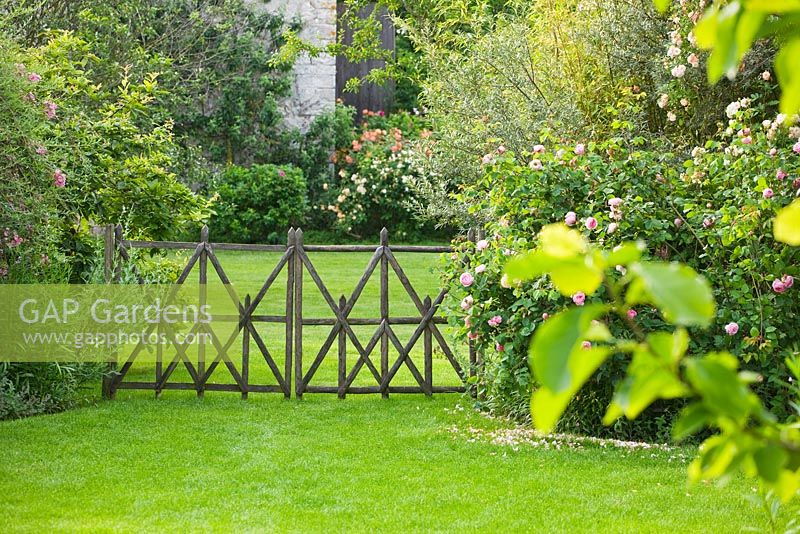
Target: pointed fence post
245,348
428,345
298,313
109,246
385,311
201,347
287,364
342,351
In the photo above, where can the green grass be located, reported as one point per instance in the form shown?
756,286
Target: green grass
321,464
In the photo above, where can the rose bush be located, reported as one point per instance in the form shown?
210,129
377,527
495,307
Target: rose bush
376,176
712,211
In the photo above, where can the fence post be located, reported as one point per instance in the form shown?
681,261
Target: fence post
109,242
298,313
342,351
201,347
428,345
245,348
385,311
287,369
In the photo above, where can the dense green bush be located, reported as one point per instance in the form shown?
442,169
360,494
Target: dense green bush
35,388
712,211
33,203
257,204
213,59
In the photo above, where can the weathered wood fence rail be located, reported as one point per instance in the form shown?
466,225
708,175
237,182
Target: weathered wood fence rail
295,261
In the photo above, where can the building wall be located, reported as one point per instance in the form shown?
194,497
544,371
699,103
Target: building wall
314,85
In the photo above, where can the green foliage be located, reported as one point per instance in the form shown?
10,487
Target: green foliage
564,356
258,204
29,199
709,212
28,389
212,58
730,30
109,143
787,224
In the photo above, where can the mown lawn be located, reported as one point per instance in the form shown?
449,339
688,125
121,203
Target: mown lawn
409,463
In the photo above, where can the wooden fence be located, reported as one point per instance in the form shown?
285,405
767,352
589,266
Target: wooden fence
372,358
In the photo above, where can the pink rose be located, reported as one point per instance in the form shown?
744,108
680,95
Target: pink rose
768,193
613,227
466,279
788,281
480,268
34,78
467,302
678,222
468,322
472,335
580,149
591,223
50,109
773,152
482,245
501,149
570,219
545,316
747,140
41,150
536,165
538,149
796,147
708,223
59,178
282,173
495,321
632,313
731,329
586,345
781,174
579,298
778,286
615,202
499,347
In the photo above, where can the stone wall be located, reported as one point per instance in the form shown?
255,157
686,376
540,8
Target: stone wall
314,86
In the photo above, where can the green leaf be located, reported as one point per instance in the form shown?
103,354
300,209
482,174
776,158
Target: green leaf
787,224
788,70
772,6
682,295
548,405
563,255
693,418
723,393
662,5
746,31
557,340
626,253
651,375
770,460
569,275
560,241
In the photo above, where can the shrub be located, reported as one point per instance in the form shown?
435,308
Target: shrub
258,204
376,174
712,211
29,196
